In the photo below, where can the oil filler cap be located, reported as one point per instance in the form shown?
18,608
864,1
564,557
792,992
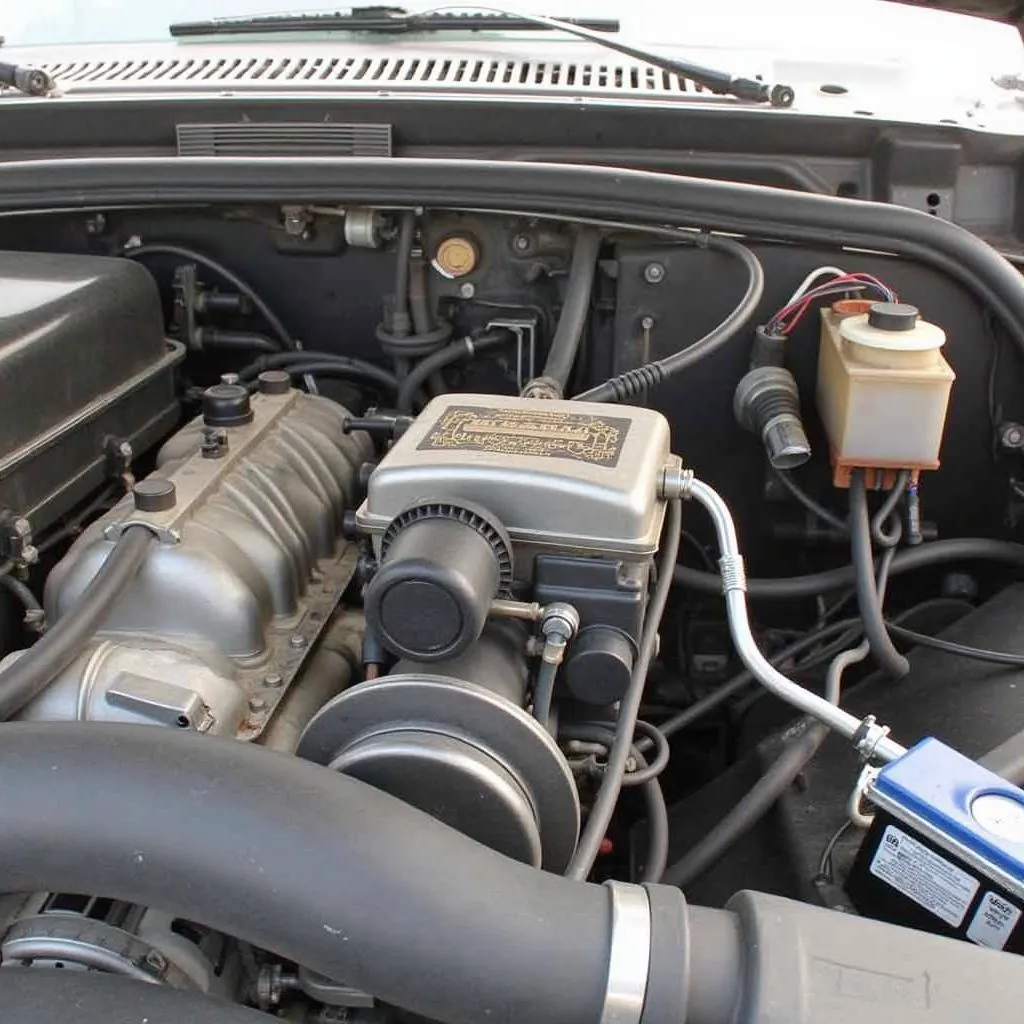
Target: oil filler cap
441,566
226,405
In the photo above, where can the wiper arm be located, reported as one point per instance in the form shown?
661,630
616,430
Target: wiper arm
481,18
386,20
30,81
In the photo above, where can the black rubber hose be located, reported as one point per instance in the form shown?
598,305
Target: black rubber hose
869,603
402,323
939,552
603,807
346,369
463,348
316,867
67,637
192,256
635,382
283,359
750,809
573,318
214,337
21,592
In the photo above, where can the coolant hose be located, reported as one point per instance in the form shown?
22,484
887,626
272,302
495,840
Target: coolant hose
319,868
341,878
573,319
29,675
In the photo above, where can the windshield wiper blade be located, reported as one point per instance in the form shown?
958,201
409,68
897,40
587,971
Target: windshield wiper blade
385,20
30,81
398,20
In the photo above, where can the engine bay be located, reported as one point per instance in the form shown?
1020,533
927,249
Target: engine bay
634,553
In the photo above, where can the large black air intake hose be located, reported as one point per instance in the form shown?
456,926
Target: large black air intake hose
341,878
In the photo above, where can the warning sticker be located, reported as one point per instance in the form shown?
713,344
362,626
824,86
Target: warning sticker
929,880
553,435
993,921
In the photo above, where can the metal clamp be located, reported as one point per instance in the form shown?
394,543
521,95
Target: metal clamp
630,955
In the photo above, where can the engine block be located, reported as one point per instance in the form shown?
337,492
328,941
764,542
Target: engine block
247,503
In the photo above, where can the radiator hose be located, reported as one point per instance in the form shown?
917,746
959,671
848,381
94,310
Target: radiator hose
341,878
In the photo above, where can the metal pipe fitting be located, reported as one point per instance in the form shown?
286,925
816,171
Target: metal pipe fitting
561,622
869,738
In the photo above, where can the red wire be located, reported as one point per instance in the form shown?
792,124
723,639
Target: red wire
800,306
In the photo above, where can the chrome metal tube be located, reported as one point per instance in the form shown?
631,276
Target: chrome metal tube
868,737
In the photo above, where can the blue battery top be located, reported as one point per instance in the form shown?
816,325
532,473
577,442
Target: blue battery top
961,799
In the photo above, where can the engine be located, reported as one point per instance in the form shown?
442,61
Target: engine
434,575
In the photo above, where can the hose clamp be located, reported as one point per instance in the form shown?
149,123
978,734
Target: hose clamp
630,955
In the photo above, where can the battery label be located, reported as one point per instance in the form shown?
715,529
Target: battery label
929,880
993,921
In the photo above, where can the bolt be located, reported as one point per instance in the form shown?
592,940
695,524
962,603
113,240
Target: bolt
521,243
273,680
29,555
654,273
257,704
95,224
156,960
1011,436
467,290
647,322
296,641
22,527
229,378
124,449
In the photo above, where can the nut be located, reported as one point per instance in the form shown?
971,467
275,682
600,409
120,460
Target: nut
654,273
273,680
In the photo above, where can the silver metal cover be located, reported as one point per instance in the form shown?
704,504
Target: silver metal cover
250,566
568,476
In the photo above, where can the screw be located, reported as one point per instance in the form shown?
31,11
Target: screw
521,243
297,641
654,273
257,704
273,680
467,290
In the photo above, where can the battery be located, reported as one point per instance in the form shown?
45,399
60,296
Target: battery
945,852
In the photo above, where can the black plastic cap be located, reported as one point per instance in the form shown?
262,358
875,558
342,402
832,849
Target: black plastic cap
430,598
226,405
893,316
154,495
274,382
600,666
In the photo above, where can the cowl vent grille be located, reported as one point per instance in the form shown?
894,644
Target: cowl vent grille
369,71
297,139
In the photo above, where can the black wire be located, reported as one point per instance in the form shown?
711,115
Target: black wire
811,504
960,650
719,696
889,538
961,549
192,256
637,381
